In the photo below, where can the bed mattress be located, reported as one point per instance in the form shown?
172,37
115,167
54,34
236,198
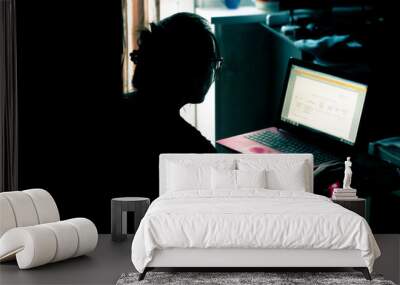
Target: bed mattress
250,219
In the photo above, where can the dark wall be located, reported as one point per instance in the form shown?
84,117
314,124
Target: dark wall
69,84
69,57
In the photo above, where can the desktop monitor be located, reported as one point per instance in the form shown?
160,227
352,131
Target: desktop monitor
323,103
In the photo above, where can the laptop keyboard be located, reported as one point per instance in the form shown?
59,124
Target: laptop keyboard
290,145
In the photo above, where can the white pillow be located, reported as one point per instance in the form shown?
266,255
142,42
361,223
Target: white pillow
282,174
237,179
223,179
251,178
193,174
288,179
183,178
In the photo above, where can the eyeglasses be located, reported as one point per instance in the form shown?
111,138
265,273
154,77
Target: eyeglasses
216,65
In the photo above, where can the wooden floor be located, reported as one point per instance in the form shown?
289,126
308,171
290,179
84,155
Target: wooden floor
111,259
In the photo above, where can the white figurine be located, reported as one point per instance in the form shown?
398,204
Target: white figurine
347,174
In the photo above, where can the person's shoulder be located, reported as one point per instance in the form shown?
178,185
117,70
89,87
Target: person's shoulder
195,138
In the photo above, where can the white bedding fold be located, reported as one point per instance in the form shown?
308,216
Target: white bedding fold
250,218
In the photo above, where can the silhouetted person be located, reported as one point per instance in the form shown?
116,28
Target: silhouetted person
176,62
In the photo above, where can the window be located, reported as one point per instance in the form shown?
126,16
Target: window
136,15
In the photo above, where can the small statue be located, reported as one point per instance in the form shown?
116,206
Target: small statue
347,174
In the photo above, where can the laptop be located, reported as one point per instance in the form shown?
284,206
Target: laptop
320,113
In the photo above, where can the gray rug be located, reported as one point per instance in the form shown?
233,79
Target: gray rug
269,278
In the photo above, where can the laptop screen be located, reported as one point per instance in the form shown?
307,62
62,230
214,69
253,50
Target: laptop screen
324,103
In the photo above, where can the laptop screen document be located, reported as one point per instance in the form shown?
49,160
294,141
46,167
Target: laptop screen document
324,103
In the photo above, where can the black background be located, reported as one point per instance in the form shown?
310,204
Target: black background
70,102
69,74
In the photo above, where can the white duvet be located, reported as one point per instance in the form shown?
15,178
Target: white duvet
250,218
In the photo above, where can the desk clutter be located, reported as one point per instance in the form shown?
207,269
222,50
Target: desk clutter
335,36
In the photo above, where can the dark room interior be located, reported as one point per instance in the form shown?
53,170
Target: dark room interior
84,138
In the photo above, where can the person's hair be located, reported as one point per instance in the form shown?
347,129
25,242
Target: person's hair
172,49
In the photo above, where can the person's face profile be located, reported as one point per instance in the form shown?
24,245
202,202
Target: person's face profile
197,78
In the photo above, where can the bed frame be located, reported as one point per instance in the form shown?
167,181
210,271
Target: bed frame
248,259
261,259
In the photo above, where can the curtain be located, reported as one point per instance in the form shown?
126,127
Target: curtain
137,14
8,97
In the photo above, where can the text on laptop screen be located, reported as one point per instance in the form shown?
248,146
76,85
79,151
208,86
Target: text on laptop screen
323,102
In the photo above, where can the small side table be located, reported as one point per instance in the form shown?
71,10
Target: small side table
119,209
357,205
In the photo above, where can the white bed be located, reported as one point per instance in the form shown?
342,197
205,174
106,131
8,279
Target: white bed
200,220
